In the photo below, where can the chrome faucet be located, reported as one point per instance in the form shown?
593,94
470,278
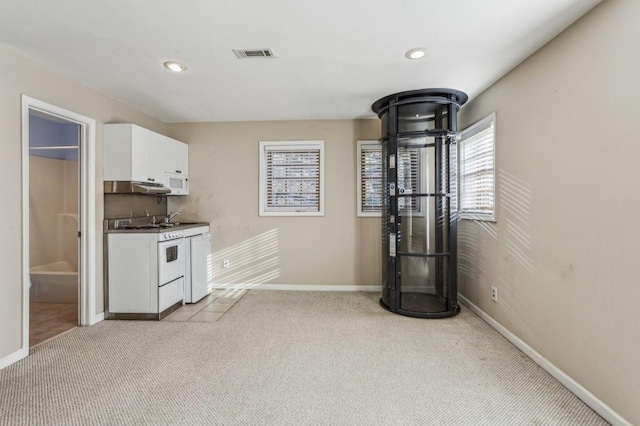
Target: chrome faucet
170,216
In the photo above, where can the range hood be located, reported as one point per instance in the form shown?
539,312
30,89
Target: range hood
130,187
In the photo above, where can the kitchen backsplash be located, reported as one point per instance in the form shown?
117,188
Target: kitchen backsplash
119,206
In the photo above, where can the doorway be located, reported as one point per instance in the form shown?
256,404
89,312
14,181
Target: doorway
58,186
54,200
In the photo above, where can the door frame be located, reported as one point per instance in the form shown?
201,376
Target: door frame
86,214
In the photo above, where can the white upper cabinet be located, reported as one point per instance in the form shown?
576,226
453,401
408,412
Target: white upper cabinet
158,154
183,158
176,156
134,153
126,153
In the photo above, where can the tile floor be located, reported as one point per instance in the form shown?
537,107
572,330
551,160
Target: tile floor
209,309
47,320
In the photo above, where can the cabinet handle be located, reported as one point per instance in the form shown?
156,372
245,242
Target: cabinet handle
151,180
178,171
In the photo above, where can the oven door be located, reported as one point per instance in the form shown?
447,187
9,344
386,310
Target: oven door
170,260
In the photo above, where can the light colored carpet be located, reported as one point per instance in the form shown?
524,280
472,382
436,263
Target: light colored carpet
287,358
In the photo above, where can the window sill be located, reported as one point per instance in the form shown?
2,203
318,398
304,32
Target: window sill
292,214
478,218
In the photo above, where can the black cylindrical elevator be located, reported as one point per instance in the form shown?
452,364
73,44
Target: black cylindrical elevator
419,201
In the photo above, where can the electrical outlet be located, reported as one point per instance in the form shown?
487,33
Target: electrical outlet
494,293
226,263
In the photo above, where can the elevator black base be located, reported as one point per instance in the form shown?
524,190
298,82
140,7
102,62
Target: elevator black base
435,305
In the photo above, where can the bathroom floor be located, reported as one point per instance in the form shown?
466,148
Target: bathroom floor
47,320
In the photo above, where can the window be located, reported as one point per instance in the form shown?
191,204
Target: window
369,178
477,170
409,178
291,178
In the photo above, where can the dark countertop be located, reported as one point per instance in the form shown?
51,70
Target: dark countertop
156,230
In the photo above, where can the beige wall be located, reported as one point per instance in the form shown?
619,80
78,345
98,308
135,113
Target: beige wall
20,75
337,249
563,252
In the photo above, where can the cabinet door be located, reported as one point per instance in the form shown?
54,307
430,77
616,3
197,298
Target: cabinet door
140,161
159,156
133,273
117,152
183,158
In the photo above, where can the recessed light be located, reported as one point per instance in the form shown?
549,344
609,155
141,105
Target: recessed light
175,66
417,53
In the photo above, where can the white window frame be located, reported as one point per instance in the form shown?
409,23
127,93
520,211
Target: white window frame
364,145
465,213
287,146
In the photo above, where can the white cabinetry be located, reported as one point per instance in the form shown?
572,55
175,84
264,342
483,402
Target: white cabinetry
157,155
126,153
133,153
133,280
183,158
175,155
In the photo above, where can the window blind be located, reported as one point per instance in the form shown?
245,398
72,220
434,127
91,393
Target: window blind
409,177
477,171
292,180
371,178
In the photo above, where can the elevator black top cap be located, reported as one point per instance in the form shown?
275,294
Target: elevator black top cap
430,95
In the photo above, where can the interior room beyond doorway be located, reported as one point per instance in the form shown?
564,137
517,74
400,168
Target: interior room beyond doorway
54,145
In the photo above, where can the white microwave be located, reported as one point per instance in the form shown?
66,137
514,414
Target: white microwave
177,183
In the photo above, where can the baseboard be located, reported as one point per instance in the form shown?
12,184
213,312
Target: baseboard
299,287
13,357
97,318
578,390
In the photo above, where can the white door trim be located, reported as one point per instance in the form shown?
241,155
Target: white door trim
87,214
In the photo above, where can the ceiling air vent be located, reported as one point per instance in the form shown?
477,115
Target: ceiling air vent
253,53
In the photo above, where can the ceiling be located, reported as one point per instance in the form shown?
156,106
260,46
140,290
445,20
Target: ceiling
333,58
